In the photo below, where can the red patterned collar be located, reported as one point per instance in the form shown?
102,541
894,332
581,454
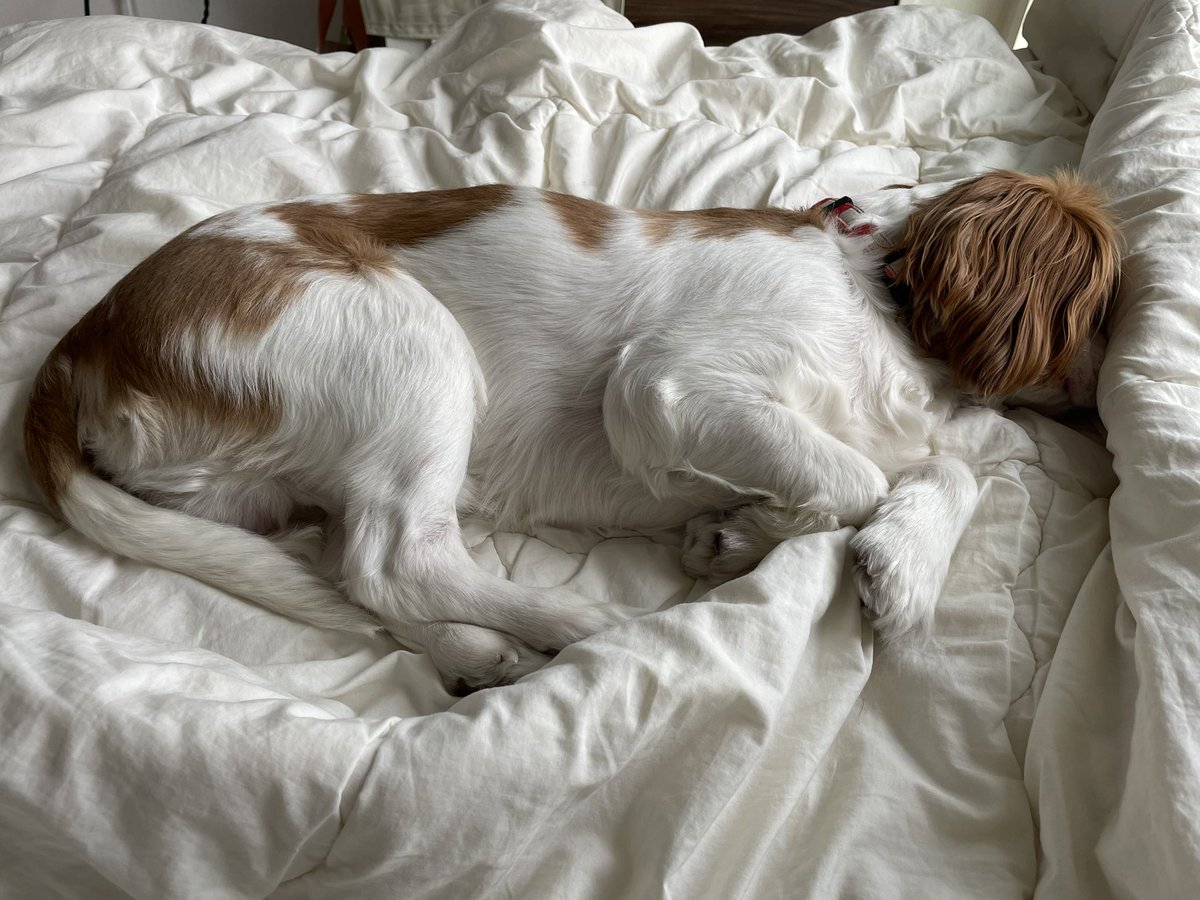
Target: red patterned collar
837,210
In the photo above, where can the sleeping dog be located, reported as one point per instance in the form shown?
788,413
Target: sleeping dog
400,360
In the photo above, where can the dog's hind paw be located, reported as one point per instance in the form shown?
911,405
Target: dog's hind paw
470,658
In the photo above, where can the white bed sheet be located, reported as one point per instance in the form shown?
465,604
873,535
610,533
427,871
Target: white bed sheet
161,739
1114,763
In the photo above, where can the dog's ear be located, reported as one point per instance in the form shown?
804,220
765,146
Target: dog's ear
1010,275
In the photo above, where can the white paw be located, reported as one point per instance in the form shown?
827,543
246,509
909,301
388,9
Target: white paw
895,585
903,552
715,548
901,560
723,545
470,658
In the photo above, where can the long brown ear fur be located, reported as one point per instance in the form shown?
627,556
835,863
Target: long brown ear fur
1010,275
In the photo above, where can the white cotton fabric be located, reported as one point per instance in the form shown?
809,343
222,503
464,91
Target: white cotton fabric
161,739
1114,760
424,19
1083,42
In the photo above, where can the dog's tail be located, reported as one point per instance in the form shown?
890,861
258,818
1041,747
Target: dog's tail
224,556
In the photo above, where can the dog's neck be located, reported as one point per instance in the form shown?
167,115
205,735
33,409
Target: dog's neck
883,217
852,221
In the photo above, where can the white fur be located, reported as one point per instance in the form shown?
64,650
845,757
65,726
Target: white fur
503,369
903,552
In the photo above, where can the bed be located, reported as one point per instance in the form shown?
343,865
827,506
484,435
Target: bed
161,739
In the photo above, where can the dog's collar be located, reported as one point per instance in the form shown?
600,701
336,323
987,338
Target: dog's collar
838,210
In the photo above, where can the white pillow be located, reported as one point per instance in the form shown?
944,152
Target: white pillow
1081,41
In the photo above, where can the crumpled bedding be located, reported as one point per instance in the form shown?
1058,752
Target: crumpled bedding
162,739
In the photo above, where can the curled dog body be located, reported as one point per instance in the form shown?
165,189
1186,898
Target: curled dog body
399,360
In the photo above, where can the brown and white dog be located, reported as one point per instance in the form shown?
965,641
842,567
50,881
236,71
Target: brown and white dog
398,360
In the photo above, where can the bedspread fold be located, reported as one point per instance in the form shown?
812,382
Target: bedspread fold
163,739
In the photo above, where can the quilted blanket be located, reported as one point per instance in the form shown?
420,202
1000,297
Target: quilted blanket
162,739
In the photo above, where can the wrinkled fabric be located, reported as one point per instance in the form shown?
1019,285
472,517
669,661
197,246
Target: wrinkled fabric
162,739
1120,735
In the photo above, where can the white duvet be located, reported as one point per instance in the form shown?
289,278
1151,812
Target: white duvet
160,739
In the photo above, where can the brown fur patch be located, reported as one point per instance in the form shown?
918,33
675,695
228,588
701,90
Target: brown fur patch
406,219
721,222
588,221
328,241
127,371
132,347
128,353
133,339
51,444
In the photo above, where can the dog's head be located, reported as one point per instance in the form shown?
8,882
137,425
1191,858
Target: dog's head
1010,276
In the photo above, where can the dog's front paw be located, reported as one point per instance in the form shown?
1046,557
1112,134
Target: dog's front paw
714,549
723,545
904,550
895,600
898,579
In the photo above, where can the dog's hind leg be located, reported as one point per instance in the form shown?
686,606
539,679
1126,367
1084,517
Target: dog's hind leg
404,558
406,561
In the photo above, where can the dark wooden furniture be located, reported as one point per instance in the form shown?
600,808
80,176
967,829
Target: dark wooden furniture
722,22
352,25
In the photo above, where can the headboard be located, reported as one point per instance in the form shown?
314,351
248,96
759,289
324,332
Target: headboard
719,21
722,22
